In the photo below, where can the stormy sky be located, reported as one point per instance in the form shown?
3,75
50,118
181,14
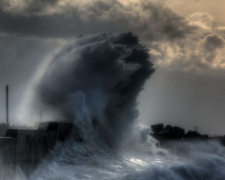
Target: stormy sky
186,39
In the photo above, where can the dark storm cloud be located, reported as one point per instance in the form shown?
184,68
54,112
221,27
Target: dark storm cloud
27,7
213,41
151,20
47,27
96,81
201,51
33,6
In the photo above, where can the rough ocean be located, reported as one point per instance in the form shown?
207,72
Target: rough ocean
94,83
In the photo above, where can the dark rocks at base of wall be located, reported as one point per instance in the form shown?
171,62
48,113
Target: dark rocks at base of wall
174,133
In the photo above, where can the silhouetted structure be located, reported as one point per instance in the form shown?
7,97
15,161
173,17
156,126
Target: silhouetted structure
27,148
168,133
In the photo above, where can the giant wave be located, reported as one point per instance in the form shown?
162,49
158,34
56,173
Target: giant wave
94,83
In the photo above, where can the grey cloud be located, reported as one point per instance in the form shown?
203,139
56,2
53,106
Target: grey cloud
150,20
213,41
182,44
45,27
202,51
27,7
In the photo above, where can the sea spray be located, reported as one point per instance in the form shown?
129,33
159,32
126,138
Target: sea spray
94,82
